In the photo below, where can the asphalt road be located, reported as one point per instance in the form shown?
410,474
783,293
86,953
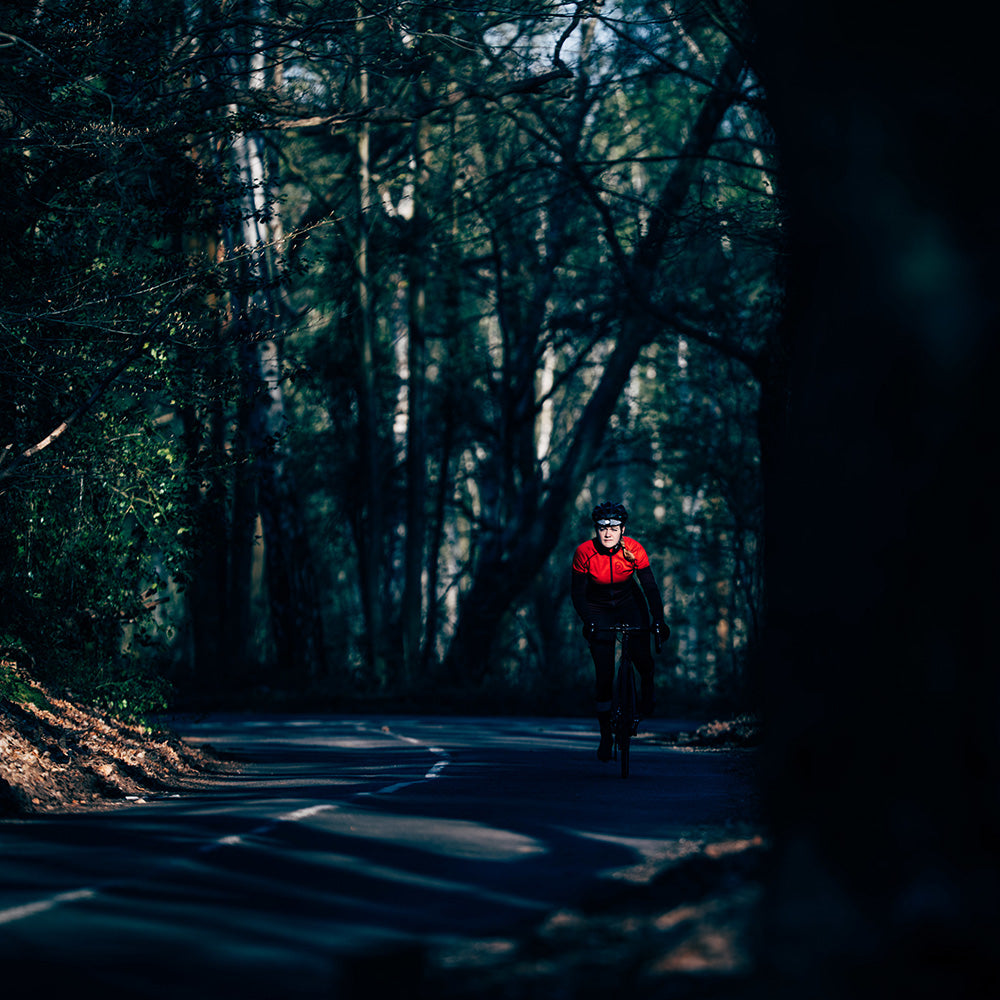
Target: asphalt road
344,840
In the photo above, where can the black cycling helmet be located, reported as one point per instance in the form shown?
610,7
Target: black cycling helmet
608,513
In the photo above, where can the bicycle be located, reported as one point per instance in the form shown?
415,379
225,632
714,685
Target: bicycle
625,717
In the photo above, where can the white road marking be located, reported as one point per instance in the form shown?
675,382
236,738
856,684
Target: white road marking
233,840
434,772
30,909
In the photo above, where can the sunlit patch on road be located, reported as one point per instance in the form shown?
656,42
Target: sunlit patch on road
451,838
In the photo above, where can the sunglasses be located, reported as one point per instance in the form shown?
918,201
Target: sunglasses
609,524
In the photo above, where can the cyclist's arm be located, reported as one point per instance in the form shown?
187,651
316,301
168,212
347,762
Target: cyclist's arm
578,594
649,587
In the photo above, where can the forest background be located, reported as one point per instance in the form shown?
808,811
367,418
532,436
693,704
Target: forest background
324,325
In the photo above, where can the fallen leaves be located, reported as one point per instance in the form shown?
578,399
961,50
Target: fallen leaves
57,755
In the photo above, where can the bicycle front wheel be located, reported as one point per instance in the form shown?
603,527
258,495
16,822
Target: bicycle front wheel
626,714
624,747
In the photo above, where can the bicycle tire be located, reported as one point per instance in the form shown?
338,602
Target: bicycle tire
624,700
624,754
626,712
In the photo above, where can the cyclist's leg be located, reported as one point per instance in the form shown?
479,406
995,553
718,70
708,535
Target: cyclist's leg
602,650
642,658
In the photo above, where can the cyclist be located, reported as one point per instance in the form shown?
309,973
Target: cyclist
612,583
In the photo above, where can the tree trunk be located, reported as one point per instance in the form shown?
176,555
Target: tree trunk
416,446
371,539
261,316
503,571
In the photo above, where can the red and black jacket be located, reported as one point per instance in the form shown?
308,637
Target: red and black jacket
603,579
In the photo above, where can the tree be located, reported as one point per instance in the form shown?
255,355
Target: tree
261,316
422,251
518,198
94,292
633,311
121,154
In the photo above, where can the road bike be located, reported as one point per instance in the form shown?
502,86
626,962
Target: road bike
625,717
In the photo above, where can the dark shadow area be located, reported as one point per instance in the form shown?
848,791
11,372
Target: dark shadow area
239,898
880,681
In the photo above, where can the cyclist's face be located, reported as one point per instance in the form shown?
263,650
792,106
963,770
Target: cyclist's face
610,535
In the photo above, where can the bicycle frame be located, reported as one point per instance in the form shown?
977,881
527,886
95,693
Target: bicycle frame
625,716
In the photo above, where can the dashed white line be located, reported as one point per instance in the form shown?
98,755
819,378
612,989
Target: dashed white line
15,913
30,909
434,772
235,839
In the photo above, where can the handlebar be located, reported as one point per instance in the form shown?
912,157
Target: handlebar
620,628
626,629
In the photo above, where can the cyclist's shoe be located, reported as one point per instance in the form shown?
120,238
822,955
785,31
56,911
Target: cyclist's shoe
647,700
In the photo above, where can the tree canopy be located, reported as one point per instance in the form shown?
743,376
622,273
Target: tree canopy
324,326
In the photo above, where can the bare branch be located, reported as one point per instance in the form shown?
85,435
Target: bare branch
116,370
9,40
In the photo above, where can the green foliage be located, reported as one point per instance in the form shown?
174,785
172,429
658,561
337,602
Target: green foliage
13,687
129,691
97,533
96,154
